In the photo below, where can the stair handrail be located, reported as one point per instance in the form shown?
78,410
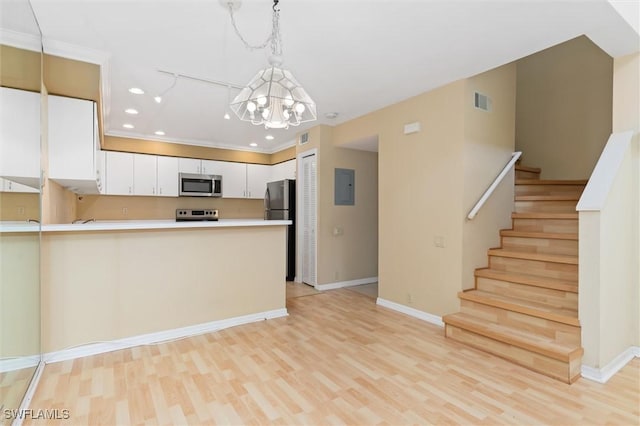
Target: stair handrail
474,211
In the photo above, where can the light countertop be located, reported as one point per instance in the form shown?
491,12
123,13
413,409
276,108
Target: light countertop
120,225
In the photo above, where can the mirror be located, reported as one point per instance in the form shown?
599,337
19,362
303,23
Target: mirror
20,212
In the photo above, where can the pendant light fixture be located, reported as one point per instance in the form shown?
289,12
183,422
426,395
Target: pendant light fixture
273,97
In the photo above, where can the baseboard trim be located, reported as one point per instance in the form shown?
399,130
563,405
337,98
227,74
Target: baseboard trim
424,316
28,396
14,364
342,284
602,375
159,337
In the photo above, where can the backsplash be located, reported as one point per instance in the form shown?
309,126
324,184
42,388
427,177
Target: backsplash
112,207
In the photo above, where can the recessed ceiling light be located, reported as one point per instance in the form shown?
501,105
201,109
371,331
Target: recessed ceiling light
158,99
269,137
128,126
136,91
131,111
253,144
331,115
159,133
227,116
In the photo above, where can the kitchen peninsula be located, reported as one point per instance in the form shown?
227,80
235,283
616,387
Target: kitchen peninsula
126,283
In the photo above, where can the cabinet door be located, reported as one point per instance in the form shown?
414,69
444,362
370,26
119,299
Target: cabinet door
257,177
9,186
144,174
285,170
167,176
20,136
189,165
101,169
212,167
119,174
234,179
71,139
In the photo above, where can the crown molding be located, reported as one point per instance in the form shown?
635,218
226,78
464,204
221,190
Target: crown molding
20,40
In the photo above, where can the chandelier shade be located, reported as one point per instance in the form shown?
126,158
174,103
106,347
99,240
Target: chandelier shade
275,99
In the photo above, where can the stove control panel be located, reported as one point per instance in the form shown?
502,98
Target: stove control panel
184,215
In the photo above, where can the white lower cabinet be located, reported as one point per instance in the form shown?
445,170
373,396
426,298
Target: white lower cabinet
167,176
119,173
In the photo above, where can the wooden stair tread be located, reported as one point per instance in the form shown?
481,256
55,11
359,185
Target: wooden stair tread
543,215
549,182
564,197
542,257
516,337
550,235
527,169
528,279
535,309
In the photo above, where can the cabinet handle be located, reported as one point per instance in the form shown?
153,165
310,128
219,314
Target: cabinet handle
129,190
160,191
153,190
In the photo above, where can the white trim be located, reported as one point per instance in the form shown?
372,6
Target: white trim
341,284
28,396
20,40
595,193
14,364
602,375
159,337
424,316
75,52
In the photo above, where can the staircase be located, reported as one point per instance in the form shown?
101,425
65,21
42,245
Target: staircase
524,306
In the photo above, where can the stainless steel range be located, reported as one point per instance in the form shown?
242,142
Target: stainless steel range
187,215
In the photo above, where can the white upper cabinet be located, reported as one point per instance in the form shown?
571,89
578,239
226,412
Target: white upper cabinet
234,179
257,177
284,170
119,173
144,174
20,136
189,165
74,144
8,186
167,176
211,167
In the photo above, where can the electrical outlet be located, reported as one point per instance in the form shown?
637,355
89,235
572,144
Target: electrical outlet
438,241
409,298
336,276
125,211
21,211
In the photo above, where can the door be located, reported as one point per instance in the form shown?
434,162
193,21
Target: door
144,174
308,219
277,196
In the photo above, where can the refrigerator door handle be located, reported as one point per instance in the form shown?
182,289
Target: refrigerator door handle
267,202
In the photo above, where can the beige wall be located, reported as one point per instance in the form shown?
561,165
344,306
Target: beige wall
563,111
109,207
354,254
428,181
19,294
19,68
15,206
488,144
102,286
610,239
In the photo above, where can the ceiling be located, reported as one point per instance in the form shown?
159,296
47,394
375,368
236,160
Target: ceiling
352,56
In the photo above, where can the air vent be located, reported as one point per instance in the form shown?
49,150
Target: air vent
482,102
304,138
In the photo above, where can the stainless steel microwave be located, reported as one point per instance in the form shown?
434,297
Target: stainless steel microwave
196,185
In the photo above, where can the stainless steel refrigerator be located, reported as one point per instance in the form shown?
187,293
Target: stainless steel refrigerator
280,204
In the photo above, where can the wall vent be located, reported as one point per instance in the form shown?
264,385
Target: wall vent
482,102
304,138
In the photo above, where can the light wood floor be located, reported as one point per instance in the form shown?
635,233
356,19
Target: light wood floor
337,359
13,386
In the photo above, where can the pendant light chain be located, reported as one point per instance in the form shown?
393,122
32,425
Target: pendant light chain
273,39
